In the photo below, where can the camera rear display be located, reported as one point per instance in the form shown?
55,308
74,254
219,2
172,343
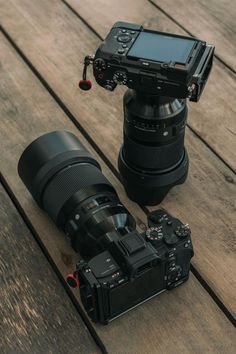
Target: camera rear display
162,48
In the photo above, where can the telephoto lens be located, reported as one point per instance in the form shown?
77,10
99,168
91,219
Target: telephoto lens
67,183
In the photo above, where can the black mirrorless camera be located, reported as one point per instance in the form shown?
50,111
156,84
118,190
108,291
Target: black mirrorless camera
122,267
161,70
134,267
153,62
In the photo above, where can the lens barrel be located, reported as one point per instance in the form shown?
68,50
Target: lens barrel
67,182
153,158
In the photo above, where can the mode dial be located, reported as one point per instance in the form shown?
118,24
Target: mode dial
120,78
154,234
99,64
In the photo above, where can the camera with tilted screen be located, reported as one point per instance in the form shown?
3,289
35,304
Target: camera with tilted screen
122,267
161,70
155,62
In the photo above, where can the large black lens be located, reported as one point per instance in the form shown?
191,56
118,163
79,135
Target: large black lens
68,184
153,157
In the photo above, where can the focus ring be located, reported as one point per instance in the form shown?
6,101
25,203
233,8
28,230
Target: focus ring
66,183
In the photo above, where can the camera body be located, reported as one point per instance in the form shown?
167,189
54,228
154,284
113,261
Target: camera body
121,268
161,70
153,62
135,267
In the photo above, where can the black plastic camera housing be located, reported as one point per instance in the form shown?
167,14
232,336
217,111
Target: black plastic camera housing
122,267
136,267
161,70
153,62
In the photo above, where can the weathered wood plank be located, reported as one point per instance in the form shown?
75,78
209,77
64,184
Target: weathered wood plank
34,307
213,118
27,111
212,20
42,30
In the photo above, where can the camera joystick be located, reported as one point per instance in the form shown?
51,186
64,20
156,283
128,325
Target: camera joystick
174,273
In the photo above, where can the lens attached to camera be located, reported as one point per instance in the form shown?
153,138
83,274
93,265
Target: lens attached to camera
153,158
68,184
161,71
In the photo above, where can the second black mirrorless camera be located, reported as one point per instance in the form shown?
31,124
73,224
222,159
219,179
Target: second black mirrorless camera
160,70
122,267
153,62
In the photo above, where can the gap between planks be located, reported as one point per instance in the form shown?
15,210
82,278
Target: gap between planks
70,114
168,303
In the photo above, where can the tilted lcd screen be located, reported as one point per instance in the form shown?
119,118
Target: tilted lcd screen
161,48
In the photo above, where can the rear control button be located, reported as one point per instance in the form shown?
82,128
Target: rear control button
174,273
124,38
171,253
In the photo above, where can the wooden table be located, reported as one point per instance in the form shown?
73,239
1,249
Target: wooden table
42,47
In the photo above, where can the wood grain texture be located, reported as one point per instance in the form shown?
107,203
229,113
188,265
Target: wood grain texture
34,307
213,117
211,20
56,44
182,321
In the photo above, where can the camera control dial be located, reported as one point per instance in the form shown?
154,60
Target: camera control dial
154,234
183,231
120,78
99,64
174,273
124,38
